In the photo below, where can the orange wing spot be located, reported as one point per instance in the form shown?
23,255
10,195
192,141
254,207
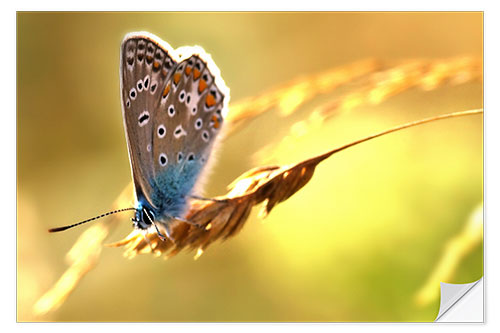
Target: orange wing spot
196,74
210,100
188,70
177,77
156,64
149,58
216,121
202,86
164,72
165,91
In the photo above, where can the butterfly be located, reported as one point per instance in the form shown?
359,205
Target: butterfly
173,104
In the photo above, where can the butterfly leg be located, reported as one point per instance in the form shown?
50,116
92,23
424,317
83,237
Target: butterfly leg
144,234
207,199
186,221
161,235
169,235
140,225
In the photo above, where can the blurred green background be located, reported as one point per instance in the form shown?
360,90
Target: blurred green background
355,244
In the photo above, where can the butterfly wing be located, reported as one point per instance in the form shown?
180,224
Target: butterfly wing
145,65
189,118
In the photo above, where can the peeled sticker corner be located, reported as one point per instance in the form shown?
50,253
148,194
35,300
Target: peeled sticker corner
461,302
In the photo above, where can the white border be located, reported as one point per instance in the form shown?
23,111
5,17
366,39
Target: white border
492,165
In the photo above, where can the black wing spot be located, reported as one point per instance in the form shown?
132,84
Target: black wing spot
163,159
161,131
205,136
171,111
198,123
143,118
133,93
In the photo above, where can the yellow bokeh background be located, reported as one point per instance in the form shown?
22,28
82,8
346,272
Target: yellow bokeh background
358,243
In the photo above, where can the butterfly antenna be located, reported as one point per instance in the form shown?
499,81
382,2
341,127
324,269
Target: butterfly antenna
89,220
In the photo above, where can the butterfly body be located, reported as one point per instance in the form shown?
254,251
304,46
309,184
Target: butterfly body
173,105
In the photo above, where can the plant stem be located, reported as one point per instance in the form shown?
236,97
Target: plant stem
319,158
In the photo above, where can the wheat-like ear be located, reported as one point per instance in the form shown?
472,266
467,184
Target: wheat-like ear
371,82
289,96
224,216
367,88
